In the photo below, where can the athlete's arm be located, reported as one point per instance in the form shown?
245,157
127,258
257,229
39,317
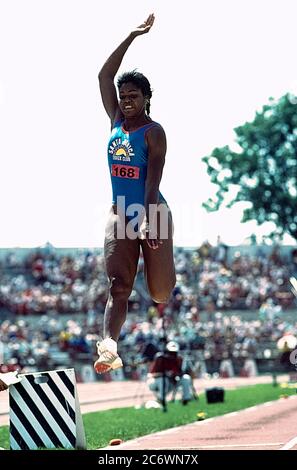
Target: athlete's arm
112,65
156,140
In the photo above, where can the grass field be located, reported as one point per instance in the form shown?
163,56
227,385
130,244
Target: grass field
128,423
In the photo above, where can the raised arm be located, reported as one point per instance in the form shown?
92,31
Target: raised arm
111,66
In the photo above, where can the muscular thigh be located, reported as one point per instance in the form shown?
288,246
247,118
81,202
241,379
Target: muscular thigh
121,254
159,264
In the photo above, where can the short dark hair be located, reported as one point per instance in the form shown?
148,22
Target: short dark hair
140,81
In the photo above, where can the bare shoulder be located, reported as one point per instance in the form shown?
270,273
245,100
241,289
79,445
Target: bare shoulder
156,133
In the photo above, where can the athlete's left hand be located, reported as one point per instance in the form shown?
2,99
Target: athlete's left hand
153,241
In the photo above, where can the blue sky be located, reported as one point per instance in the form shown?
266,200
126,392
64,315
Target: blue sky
211,65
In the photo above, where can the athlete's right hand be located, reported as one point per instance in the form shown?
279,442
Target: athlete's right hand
144,27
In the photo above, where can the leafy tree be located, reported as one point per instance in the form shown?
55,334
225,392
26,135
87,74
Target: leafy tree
264,170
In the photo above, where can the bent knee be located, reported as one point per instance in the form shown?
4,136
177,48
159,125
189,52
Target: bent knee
161,296
160,299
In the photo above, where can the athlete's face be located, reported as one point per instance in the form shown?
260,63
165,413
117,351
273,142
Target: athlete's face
132,101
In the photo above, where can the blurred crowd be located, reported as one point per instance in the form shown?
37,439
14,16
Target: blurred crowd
43,343
207,279
52,305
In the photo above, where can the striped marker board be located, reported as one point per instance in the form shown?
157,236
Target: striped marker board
44,412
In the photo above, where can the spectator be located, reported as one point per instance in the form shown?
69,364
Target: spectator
168,366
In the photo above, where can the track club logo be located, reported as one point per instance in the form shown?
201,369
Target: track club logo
121,150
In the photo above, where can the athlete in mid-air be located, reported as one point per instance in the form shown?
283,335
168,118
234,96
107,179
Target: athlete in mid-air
136,157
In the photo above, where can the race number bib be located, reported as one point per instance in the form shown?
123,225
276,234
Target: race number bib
125,171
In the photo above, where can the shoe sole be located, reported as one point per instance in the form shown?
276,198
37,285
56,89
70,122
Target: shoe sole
101,367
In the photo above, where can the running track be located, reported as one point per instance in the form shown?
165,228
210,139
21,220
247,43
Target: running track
270,426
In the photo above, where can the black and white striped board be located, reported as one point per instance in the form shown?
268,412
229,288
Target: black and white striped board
45,412
293,282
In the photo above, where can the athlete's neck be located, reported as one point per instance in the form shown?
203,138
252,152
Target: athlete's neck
131,124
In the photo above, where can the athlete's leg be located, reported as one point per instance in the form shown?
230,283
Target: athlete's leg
159,265
121,259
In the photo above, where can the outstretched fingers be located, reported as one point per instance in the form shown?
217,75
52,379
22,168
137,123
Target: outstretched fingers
146,26
150,20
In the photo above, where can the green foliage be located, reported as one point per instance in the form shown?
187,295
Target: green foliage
264,171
